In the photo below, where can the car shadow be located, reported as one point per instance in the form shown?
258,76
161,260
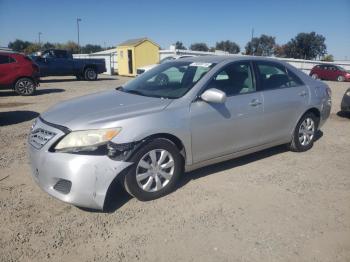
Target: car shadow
72,80
38,92
343,114
16,117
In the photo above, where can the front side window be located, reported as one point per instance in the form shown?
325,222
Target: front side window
273,76
169,80
234,79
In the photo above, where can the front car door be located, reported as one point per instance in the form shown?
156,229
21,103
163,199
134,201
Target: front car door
221,129
285,98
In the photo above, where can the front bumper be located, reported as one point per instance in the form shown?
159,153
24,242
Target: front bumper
82,180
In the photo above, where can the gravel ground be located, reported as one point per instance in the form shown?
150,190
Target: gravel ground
274,205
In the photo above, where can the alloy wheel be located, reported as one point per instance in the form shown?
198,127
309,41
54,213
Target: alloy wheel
154,170
306,131
25,87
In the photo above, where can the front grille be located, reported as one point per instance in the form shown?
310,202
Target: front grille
39,137
63,186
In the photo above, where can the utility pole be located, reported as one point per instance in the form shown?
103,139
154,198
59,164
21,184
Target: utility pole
39,34
251,40
78,20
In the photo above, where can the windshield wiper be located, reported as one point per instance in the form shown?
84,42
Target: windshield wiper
136,92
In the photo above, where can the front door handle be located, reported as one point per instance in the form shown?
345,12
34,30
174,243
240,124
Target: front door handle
303,93
255,102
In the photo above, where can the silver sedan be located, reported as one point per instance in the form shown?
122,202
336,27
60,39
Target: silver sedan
177,117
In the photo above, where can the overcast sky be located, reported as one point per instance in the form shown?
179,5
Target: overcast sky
111,22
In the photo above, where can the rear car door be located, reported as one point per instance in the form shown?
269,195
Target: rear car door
7,69
221,129
285,99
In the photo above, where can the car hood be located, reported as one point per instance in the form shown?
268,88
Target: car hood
101,110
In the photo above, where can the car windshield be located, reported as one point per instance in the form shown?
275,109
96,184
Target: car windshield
341,68
169,80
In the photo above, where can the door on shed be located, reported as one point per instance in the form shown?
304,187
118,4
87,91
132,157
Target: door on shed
130,64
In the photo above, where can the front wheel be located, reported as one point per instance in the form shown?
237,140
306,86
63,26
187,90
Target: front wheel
157,168
25,86
90,74
340,78
304,133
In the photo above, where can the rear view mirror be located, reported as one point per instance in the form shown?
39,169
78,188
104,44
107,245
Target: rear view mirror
214,95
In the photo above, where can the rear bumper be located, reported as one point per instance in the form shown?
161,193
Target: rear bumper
81,180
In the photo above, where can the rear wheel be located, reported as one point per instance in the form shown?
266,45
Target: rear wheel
340,78
90,74
304,133
25,86
156,170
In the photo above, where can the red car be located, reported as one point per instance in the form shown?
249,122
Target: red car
330,72
18,72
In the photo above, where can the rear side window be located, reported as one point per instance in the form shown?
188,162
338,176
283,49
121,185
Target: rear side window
5,59
274,76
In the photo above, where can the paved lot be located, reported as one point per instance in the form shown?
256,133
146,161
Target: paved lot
270,206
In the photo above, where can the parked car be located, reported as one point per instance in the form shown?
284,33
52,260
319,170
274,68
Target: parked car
345,103
55,62
19,73
178,116
143,69
330,72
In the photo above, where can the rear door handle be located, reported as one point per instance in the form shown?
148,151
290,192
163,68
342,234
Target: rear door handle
303,93
255,102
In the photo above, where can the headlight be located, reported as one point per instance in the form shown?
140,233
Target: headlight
87,140
348,93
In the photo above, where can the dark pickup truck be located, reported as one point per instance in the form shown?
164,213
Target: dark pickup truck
55,62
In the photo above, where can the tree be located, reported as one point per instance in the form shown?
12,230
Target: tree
89,48
306,46
228,46
280,51
47,45
261,46
71,47
328,58
179,45
32,48
19,45
199,47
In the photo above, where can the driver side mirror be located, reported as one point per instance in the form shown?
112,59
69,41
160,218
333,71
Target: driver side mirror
213,95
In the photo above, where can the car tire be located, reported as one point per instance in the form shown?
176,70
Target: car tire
25,86
304,133
314,76
340,78
157,168
90,74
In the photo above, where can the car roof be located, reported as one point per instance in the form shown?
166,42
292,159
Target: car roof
221,58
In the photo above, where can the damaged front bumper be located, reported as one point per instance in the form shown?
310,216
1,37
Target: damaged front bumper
82,180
